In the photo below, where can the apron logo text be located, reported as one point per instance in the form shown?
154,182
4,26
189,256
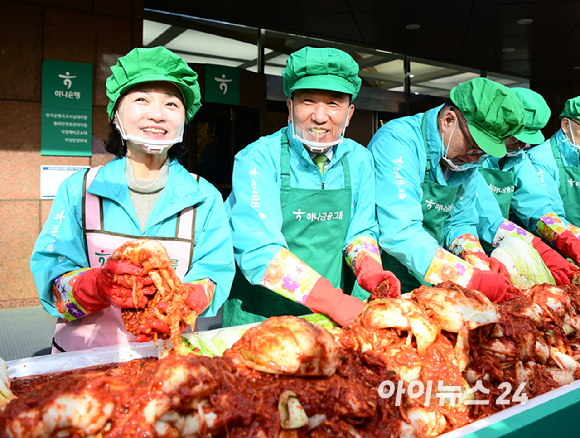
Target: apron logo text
508,189
54,231
440,207
102,257
337,215
255,204
400,181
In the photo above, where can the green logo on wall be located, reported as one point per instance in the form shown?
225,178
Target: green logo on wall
222,84
67,99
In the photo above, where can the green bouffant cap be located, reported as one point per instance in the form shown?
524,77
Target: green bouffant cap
152,65
571,109
537,115
493,113
321,69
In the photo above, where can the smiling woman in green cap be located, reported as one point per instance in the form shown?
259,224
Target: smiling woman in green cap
557,162
510,183
143,193
426,187
303,200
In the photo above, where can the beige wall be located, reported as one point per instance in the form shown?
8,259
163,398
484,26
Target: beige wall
90,31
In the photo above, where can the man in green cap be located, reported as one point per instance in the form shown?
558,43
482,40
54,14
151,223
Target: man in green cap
302,200
558,166
142,193
426,187
510,184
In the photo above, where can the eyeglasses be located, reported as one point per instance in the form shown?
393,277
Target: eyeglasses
472,150
575,122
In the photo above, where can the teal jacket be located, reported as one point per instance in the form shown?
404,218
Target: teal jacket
61,248
254,209
400,162
542,157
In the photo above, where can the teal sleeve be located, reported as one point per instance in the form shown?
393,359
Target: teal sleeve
254,212
213,256
400,163
488,211
530,201
544,162
363,220
60,247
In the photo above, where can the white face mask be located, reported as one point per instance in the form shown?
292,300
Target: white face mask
149,146
444,151
515,153
573,141
312,146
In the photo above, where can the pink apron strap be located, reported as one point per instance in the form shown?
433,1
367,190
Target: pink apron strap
186,223
185,230
92,204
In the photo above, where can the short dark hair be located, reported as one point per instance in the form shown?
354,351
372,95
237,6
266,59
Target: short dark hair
115,144
449,105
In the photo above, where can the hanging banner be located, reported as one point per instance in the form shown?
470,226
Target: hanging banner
222,84
67,101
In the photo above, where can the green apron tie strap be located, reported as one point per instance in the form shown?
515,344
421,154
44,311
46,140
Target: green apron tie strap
556,152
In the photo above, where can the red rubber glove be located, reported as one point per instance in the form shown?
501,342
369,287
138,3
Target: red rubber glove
370,273
113,284
341,307
494,264
561,269
493,285
196,298
569,245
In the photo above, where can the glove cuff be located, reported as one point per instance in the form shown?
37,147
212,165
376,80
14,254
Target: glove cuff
365,263
323,297
540,246
86,292
568,244
367,269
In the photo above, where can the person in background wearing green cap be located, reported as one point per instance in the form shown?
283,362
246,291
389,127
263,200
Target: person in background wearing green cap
426,187
302,199
510,182
557,163
143,193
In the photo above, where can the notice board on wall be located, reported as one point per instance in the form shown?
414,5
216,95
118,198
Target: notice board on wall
67,100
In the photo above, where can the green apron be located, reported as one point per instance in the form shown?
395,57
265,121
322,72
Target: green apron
436,203
502,184
318,243
569,186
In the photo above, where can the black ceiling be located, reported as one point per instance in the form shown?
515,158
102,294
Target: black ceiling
469,33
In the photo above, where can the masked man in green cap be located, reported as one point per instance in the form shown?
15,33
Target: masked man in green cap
558,165
143,193
426,187
302,199
510,183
